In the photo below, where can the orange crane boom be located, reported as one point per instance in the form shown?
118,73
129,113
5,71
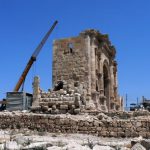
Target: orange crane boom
33,58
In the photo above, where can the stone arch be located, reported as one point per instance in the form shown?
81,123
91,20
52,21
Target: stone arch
106,82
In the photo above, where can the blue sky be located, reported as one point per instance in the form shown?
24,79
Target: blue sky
24,22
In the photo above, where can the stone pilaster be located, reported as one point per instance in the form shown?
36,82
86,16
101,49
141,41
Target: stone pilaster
87,41
36,92
111,81
101,79
115,80
93,66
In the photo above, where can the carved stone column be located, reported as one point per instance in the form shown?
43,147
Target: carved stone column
88,53
115,80
90,103
93,66
112,98
112,81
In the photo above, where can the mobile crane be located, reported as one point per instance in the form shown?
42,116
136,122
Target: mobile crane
33,59
30,62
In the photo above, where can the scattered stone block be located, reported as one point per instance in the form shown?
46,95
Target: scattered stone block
77,111
145,143
100,147
56,111
64,107
138,146
12,145
62,111
35,108
44,108
49,110
54,107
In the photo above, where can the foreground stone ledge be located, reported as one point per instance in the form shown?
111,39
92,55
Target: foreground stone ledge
66,123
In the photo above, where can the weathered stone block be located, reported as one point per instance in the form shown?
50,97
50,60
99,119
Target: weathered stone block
112,129
148,134
54,107
139,129
104,133
127,133
64,107
44,108
146,143
35,108
56,111
134,134
99,128
77,111
62,111
121,134
143,134
138,146
96,123
73,107
49,110
113,134
138,124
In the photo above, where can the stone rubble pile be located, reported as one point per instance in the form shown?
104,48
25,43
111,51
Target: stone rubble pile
128,114
20,140
69,99
61,102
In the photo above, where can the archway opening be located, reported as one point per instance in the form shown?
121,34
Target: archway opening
106,84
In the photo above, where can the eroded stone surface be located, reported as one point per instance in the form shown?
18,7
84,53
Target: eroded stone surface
20,139
138,146
100,125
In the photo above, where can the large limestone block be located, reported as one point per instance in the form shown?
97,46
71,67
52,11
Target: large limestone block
54,107
75,146
99,147
54,148
113,134
12,145
138,146
146,143
64,107
77,111
36,145
138,124
44,108
126,124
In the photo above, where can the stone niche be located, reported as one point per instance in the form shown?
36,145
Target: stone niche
89,59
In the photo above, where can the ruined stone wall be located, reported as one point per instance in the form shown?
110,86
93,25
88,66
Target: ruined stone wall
69,99
76,124
70,60
60,102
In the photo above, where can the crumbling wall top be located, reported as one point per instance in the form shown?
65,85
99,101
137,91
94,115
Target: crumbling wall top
101,40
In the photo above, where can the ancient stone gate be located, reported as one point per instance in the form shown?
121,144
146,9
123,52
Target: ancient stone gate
89,59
